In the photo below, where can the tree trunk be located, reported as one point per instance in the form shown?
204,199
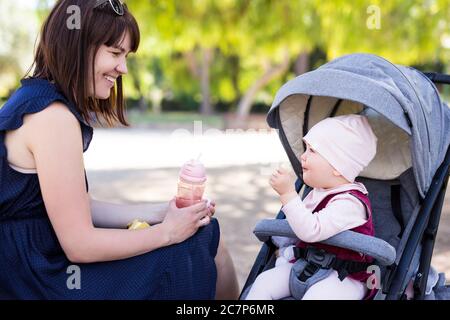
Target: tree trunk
201,71
206,56
157,107
142,104
156,97
235,69
245,104
134,74
302,63
192,63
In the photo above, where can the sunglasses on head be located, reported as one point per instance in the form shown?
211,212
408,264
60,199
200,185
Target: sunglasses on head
116,5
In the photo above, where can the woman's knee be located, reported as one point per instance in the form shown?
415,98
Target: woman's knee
227,284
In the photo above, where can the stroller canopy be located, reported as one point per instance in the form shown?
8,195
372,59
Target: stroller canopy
402,104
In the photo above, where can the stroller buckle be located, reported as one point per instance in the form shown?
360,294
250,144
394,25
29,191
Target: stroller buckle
320,257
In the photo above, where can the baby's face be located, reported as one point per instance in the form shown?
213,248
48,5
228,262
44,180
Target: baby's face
317,172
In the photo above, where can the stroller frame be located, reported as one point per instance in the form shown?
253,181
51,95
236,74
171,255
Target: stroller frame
423,232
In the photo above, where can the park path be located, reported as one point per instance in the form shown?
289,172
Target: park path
135,165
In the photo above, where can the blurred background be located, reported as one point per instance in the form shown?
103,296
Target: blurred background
230,56
205,76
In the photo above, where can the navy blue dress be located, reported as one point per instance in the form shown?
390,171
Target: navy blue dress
32,262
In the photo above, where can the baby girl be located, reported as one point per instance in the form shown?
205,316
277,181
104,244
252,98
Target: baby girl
337,150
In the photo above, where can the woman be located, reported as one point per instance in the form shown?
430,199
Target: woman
48,222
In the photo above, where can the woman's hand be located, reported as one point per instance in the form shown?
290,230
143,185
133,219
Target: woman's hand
212,208
181,224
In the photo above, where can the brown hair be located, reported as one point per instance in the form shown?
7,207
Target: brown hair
64,55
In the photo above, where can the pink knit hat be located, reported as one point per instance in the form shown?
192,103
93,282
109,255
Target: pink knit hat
346,142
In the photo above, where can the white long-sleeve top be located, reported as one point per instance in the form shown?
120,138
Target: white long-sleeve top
343,212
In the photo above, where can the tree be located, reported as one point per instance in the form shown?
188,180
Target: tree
278,31
195,30
230,49
18,30
406,32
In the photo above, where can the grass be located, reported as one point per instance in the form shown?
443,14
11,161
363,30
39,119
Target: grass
182,118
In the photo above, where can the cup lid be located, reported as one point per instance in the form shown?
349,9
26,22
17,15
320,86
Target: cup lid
193,171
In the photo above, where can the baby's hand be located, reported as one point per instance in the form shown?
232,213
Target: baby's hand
283,181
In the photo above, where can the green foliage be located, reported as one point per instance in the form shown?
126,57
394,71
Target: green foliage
17,23
181,118
248,37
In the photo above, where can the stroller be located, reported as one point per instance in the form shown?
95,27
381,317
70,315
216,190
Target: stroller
406,180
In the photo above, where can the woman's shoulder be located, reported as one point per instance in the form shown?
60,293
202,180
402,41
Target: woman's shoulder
40,105
56,113
44,131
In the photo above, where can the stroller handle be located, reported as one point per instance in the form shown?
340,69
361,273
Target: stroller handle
438,77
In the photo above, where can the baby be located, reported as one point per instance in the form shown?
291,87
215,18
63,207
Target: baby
337,150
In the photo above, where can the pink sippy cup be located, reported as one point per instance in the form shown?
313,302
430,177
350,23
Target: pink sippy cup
191,183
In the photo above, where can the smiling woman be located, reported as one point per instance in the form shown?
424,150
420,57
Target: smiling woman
103,32
48,222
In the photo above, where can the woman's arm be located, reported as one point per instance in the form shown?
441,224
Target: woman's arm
54,138
112,215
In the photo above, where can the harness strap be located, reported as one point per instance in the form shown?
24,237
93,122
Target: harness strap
335,108
320,259
306,119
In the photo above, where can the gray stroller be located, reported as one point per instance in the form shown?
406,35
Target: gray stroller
406,180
